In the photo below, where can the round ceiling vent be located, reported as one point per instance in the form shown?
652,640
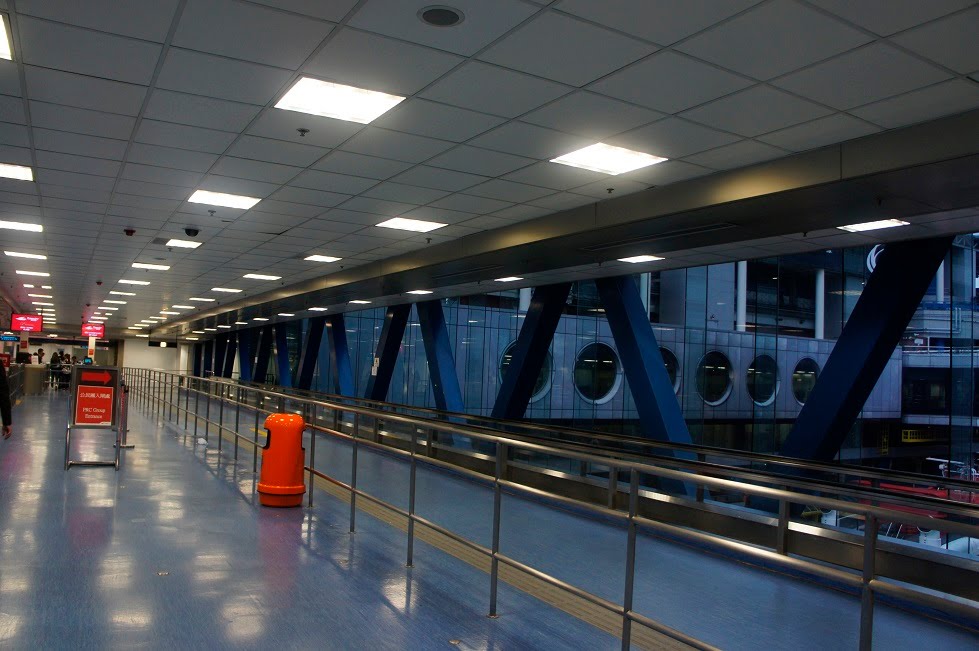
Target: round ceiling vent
441,16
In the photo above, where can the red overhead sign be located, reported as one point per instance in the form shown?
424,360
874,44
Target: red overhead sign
26,322
93,330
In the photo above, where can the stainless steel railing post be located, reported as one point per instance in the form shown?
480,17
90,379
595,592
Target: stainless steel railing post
255,443
312,456
867,592
220,421
782,529
353,475
237,419
499,473
412,471
630,561
197,409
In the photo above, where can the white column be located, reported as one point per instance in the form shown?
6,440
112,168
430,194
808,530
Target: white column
940,283
525,295
820,322
741,316
644,281
91,348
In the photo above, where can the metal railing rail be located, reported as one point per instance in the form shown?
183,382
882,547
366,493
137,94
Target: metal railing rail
156,390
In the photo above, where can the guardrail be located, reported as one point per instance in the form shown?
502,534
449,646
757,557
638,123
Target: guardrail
504,457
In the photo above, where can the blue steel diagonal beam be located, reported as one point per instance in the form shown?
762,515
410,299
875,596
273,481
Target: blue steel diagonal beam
530,352
264,354
388,348
220,350
343,374
282,356
875,327
660,416
229,356
310,352
207,366
438,353
246,354
198,353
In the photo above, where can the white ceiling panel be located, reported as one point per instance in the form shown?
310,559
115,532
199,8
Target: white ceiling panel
150,189
181,159
522,139
213,76
310,197
84,194
516,213
153,132
73,143
284,125
166,175
426,118
334,10
373,141
14,134
509,191
869,74
217,183
470,204
248,32
12,109
244,168
946,98
199,111
121,198
16,155
757,110
566,49
73,179
591,115
93,123
739,154
886,17
665,173
53,45
73,163
410,194
951,41
377,206
555,176
670,82
818,133
289,208
360,165
475,160
80,91
441,215
439,179
618,185
491,89
561,201
774,38
656,20
9,78
379,63
144,20
330,182
672,138
277,151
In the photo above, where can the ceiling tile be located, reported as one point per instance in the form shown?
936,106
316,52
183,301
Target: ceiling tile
182,159
509,191
441,215
951,41
155,190
379,63
471,204
290,208
161,175
149,21
153,132
63,47
942,99
83,92
866,75
73,143
515,213
425,118
247,187
671,171
244,168
491,89
559,47
284,125
9,78
474,160
276,151
524,139
440,179
411,194
774,38
374,141
310,197
659,21
120,198
886,17
555,176
73,163
672,138
590,115
346,162
819,133
334,10
562,201
16,155
213,76
199,111
332,182
740,154
12,109
74,180
377,206
242,31
759,109
618,185
96,123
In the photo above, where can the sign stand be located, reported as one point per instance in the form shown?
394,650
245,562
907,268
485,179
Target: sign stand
94,403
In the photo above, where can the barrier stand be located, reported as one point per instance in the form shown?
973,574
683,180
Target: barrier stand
93,404
124,416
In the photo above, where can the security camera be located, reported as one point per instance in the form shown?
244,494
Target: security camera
191,231
98,282
129,232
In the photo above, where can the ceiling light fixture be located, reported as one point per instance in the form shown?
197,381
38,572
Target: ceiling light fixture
183,244
241,323
211,329
28,286
40,303
870,226
415,225
224,326
420,291
202,300
21,226
45,286
40,296
608,159
154,267
191,338
32,256
198,332
636,259
5,51
114,302
286,314
222,199
226,290
108,307
182,307
136,327
508,279
318,309
259,318
143,336
359,302
322,258
331,100
261,277
33,273
122,293
18,172
124,281
168,312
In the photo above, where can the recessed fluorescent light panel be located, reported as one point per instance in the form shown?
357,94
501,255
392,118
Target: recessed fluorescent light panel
46,287
32,256
608,159
211,329
18,172
321,258
122,293
5,52
416,225
124,281
143,336
224,326
33,273
337,101
154,267
224,200
21,226
181,307
286,314
191,338
636,259
259,318
168,312
261,277
868,226
359,302
114,302
420,291
28,286
227,290
183,244
508,279
40,296
240,323
318,309
202,300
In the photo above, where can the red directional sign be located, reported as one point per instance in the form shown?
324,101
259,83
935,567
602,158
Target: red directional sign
95,389
26,322
93,330
96,377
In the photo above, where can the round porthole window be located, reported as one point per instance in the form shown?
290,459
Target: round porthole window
597,374
762,380
672,365
804,379
714,378
543,384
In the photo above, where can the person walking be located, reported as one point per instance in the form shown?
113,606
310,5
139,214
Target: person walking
5,403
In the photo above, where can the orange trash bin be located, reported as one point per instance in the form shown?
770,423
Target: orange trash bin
283,457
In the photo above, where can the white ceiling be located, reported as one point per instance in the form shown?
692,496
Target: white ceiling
125,108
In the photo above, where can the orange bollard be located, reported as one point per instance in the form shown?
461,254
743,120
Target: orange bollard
283,457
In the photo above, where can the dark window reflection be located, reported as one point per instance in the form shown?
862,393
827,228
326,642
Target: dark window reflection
804,379
672,366
595,371
762,379
714,378
543,379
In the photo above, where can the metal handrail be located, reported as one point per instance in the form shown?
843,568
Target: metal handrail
157,390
